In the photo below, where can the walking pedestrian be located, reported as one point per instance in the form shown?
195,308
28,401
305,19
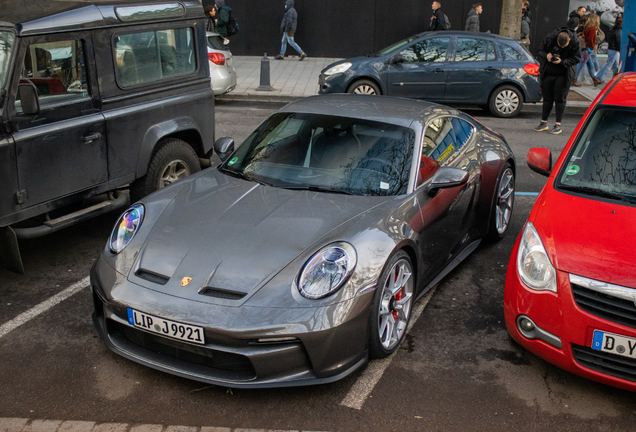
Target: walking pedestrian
558,55
472,22
526,17
438,20
288,28
591,38
575,16
613,49
222,17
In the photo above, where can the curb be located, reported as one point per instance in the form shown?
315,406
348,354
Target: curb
28,425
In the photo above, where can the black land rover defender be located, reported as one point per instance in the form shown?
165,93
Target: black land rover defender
95,97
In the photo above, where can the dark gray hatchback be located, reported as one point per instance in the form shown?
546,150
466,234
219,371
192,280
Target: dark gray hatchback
451,67
95,97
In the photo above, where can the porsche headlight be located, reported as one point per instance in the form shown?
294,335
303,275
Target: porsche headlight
533,263
327,271
126,228
342,67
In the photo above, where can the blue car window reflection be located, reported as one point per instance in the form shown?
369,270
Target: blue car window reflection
440,142
463,131
469,49
510,53
427,51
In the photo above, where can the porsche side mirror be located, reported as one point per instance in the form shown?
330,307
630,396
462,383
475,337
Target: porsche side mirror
447,177
540,160
224,147
29,99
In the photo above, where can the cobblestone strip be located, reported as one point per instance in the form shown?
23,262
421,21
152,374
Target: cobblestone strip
28,425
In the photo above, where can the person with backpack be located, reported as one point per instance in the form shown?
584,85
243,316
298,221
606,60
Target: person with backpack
472,22
526,19
288,29
225,22
439,20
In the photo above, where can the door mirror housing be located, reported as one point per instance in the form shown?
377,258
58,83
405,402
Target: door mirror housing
29,99
398,58
224,147
540,160
447,177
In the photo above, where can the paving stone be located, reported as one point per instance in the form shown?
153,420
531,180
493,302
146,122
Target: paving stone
111,427
43,426
76,426
215,429
12,424
147,428
180,429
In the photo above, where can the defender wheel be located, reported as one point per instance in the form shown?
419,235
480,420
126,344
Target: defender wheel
174,161
501,213
364,87
506,101
392,306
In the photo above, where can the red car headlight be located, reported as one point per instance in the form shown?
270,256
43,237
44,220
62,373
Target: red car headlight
533,263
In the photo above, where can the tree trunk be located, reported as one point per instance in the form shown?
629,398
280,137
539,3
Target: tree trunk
511,19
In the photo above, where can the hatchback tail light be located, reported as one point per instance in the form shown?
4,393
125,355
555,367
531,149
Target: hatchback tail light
216,58
532,69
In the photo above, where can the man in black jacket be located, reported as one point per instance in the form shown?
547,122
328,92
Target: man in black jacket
288,29
438,20
558,56
575,16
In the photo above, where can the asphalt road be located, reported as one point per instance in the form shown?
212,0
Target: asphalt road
457,370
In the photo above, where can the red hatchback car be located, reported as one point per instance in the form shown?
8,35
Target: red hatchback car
570,294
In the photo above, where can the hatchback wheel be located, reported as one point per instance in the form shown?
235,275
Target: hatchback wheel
506,101
364,87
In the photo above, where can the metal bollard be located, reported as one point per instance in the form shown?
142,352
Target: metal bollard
265,85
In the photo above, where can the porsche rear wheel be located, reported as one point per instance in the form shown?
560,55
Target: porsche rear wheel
504,202
392,306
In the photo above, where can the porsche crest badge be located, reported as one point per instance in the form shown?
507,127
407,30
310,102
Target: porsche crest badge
186,280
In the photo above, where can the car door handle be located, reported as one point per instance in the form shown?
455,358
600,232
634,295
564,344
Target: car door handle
92,137
491,69
438,70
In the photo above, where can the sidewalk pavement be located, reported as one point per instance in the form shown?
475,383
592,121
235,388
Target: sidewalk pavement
293,79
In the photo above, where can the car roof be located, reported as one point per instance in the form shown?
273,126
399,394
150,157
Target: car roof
385,109
464,33
622,92
27,18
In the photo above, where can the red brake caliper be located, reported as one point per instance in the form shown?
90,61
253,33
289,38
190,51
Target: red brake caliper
398,296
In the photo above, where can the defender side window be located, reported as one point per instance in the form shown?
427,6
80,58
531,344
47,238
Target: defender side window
147,57
58,71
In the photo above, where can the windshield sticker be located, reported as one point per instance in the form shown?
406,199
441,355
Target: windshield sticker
384,186
572,170
233,161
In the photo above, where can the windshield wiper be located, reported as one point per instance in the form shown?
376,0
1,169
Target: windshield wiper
315,188
244,176
598,192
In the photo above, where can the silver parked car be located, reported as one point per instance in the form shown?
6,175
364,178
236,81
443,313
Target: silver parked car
222,73
301,255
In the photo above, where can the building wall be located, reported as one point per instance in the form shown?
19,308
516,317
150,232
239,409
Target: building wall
347,28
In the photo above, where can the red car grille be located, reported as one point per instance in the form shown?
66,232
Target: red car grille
609,364
604,306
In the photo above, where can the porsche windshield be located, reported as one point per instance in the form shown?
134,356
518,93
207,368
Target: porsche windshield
603,162
326,153
6,45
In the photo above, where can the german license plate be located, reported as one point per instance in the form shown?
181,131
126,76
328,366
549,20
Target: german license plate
164,327
615,344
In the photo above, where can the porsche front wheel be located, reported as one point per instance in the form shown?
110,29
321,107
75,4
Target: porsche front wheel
503,204
392,306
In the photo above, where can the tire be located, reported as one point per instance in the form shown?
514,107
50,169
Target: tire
506,101
174,160
364,87
390,303
503,203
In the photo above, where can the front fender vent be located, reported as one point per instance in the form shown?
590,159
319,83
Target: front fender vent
222,293
152,277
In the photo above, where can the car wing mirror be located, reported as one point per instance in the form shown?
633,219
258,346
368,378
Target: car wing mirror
29,99
398,58
540,160
447,177
224,147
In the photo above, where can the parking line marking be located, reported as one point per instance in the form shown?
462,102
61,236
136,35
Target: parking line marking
363,387
43,307
527,193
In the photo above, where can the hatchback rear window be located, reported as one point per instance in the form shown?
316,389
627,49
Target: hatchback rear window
216,43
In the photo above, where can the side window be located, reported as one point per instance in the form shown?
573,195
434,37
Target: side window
428,51
463,131
469,49
58,71
147,57
440,142
509,53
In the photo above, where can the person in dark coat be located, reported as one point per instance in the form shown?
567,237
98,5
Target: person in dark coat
472,22
526,19
288,29
575,16
558,56
222,17
438,22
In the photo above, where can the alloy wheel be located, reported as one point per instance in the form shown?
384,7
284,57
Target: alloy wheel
364,89
395,304
505,200
176,170
507,102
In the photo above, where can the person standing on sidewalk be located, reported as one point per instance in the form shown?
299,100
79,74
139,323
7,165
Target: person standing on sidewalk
472,22
222,17
526,17
575,16
613,49
438,20
558,55
288,28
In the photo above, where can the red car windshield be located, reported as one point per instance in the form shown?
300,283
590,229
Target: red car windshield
603,161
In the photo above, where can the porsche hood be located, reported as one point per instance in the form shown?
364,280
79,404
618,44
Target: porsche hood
223,238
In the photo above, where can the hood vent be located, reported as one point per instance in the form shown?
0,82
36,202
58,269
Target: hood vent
152,277
222,293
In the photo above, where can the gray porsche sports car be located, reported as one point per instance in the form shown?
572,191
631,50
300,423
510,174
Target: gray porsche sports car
301,255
